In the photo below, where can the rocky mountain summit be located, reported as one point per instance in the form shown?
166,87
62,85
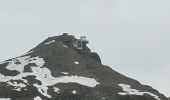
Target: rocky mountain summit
64,68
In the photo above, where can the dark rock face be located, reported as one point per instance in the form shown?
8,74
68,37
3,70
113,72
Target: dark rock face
64,68
70,41
7,72
96,57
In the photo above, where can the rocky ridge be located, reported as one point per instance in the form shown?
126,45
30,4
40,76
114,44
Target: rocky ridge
64,68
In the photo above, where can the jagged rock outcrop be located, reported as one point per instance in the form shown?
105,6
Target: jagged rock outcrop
64,68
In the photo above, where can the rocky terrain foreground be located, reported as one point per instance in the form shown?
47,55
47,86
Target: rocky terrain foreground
64,68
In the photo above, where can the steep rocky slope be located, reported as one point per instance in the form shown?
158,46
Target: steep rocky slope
64,68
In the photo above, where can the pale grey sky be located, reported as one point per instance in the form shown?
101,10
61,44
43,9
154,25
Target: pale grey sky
131,36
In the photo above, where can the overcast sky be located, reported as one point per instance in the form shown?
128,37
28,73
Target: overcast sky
131,36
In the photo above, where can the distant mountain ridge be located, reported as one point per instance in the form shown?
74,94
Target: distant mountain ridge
64,68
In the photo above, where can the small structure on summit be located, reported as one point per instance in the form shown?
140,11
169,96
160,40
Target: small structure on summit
80,43
65,34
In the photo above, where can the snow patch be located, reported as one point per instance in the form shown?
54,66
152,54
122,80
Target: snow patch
5,98
49,80
129,91
50,42
76,62
29,52
16,85
43,90
12,66
66,73
56,89
42,74
20,67
90,82
37,98
65,46
74,92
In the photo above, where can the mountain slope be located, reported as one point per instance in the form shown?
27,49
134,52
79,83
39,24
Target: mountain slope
61,69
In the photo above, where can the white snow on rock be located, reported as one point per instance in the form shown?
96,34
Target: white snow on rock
65,46
50,42
17,86
74,92
43,90
66,73
129,91
5,98
29,52
90,82
56,89
49,80
37,98
76,62
42,74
